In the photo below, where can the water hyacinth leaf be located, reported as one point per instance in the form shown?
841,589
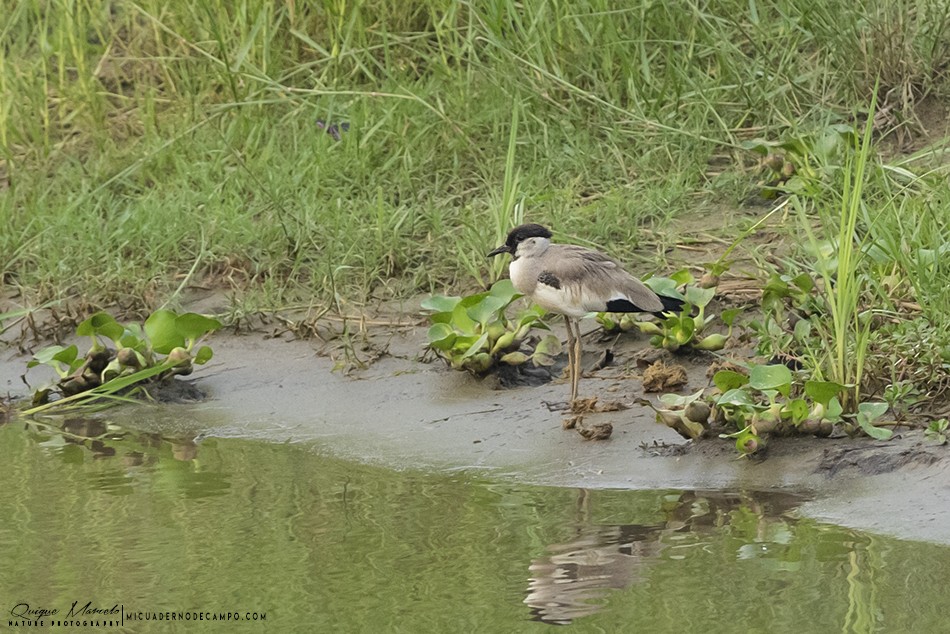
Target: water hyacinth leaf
440,303
872,410
797,410
683,330
441,336
823,391
100,324
727,380
133,337
193,326
549,345
460,319
505,290
877,433
476,346
734,397
479,364
161,331
682,277
607,322
679,400
514,358
699,296
203,355
441,318
712,343
771,377
52,354
487,309
834,410
663,286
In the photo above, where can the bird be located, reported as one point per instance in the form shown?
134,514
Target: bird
573,281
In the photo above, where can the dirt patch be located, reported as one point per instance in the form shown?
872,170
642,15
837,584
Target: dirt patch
177,391
877,458
663,377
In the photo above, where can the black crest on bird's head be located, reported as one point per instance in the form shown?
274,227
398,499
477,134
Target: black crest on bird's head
519,234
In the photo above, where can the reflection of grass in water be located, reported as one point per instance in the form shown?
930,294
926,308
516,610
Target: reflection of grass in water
314,540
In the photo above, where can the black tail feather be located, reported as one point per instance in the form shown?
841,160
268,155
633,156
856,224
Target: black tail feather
670,305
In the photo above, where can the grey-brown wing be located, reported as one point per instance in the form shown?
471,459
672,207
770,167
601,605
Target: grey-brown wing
596,281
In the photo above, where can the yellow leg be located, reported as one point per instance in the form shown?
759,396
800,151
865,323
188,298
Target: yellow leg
576,373
570,353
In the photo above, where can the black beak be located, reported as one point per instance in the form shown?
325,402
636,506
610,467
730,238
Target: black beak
502,249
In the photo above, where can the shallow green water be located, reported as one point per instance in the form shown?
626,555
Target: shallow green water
316,544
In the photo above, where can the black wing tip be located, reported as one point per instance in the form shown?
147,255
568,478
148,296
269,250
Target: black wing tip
671,304
623,305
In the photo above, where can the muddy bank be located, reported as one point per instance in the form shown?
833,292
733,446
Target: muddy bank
404,413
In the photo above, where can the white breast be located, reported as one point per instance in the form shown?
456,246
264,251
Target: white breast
560,300
523,275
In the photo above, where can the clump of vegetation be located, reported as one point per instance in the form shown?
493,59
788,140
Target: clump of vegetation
475,334
683,330
121,359
806,164
768,400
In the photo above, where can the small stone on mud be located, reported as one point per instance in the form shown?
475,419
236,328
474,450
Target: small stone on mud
572,422
661,377
598,431
648,356
590,405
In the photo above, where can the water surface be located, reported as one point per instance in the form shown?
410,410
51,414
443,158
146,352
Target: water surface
166,526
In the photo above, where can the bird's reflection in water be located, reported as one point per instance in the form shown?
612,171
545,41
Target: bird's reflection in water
572,578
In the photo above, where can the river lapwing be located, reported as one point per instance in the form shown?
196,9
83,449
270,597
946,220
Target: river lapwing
573,281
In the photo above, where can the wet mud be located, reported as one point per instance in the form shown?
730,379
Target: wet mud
404,412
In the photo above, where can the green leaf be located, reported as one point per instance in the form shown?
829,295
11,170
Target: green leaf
727,380
440,303
797,410
771,377
441,336
678,400
834,410
505,290
487,309
683,277
734,397
699,296
729,316
663,286
683,330
100,323
802,330
549,345
193,326
823,391
872,410
203,355
514,358
877,433
162,333
476,347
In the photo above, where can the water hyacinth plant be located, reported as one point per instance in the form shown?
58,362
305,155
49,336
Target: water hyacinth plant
474,333
121,358
681,330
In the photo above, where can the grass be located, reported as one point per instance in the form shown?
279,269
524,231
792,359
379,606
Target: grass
148,147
